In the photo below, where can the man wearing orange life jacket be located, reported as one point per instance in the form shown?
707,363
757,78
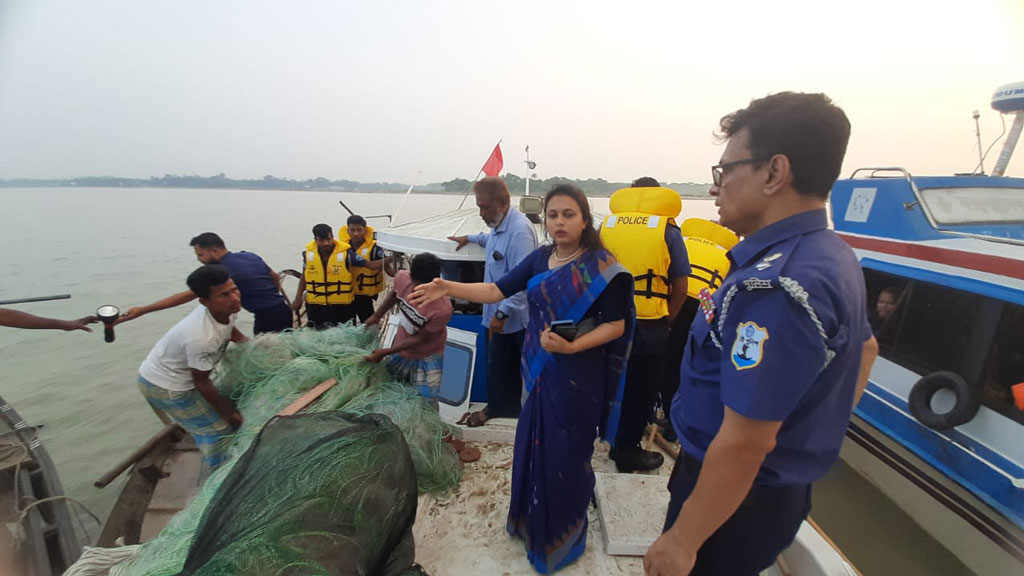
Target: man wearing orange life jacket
326,280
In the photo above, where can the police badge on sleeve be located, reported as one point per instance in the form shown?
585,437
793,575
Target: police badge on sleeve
748,349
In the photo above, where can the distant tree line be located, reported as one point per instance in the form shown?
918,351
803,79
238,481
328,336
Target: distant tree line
592,186
516,184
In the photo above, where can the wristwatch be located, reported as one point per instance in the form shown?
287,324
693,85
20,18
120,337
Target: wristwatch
500,315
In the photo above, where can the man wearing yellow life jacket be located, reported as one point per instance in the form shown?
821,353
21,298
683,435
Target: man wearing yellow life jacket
326,280
366,261
643,236
707,244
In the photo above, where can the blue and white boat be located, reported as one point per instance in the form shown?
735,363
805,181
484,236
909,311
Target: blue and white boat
938,428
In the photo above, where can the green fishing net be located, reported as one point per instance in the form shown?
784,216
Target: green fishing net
266,375
272,516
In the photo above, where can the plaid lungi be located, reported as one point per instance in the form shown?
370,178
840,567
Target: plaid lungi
192,412
424,374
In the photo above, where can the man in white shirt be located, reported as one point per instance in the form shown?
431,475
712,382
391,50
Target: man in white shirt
175,377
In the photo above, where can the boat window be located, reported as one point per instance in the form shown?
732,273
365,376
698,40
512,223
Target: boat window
886,294
936,328
466,272
974,205
931,327
455,379
1005,365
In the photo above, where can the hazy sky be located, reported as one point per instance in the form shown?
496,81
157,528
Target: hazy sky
376,91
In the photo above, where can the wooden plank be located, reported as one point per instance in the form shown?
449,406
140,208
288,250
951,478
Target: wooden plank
129,511
308,398
167,432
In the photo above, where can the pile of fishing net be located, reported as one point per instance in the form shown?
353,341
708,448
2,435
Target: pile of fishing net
330,491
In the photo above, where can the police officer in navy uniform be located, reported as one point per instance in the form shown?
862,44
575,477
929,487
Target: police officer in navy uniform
779,355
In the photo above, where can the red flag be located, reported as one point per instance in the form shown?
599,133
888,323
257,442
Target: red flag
494,162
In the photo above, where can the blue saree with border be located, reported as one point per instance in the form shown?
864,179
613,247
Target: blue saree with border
570,398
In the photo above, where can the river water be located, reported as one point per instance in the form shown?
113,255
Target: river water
130,246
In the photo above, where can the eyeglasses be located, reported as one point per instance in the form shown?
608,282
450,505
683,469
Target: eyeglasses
718,170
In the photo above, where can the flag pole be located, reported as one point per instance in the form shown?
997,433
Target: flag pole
394,217
481,171
466,195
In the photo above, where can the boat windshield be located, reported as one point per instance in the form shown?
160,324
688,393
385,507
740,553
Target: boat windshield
975,205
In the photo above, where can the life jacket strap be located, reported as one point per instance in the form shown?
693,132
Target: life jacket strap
648,291
714,278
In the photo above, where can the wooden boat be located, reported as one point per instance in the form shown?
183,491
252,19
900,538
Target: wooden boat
37,536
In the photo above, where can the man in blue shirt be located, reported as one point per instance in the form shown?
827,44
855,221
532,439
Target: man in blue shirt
779,355
259,285
512,237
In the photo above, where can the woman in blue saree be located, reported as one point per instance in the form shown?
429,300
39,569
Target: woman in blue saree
574,387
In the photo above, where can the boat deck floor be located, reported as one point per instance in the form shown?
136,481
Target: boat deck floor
458,532
463,531
173,492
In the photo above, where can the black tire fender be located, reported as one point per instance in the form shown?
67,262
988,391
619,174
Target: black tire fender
920,401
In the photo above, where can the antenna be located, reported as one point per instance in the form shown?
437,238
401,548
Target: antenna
530,165
977,133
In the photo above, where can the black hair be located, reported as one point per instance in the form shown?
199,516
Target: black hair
590,239
356,220
807,128
424,267
206,240
322,231
645,182
206,277
894,290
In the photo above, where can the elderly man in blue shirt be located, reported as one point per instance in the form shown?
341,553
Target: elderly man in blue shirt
511,238
780,355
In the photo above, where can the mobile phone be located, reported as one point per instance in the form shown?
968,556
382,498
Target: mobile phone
565,328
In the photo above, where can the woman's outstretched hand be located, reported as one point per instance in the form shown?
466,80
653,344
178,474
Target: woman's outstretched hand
556,344
426,293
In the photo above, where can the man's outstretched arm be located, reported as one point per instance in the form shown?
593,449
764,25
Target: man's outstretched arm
19,319
169,302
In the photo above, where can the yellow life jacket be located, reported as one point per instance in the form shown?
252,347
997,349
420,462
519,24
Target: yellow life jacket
635,234
365,281
330,285
706,246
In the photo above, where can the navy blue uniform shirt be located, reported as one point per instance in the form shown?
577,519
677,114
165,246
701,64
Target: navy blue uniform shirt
783,343
252,276
679,260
